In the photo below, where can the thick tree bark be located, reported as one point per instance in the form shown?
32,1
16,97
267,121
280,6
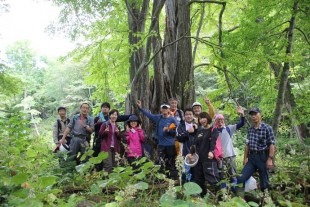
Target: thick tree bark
157,84
284,73
183,86
136,21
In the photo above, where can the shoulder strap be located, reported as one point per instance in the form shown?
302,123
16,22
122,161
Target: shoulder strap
228,130
59,126
180,114
88,120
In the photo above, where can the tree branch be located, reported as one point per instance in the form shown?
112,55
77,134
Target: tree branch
207,1
279,25
233,29
171,43
304,34
200,65
198,32
130,11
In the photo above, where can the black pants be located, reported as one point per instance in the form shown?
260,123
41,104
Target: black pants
207,171
166,158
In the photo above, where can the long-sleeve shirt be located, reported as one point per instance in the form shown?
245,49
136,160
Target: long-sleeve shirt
110,138
226,136
205,142
77,125
259,139
164,138
183,136
211,112
120,118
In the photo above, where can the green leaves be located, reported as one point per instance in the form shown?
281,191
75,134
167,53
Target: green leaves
19,178
191,188
142,186
46,181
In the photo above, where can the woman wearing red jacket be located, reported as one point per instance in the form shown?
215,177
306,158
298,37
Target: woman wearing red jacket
110,134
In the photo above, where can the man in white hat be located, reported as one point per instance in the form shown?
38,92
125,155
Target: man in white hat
166,131
197,109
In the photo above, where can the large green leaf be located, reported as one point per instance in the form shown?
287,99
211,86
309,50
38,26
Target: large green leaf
191,188
20,178
46,181
141,186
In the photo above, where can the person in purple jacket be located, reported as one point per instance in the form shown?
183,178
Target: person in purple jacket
134,137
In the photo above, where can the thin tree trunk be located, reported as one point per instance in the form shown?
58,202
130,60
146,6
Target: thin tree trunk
285,73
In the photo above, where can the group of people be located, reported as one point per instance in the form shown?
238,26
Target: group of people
177,132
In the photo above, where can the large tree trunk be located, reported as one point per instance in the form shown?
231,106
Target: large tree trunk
173,74
137,13
285,73
157,84
183,86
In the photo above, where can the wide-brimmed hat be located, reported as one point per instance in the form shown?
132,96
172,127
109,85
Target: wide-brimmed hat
133,118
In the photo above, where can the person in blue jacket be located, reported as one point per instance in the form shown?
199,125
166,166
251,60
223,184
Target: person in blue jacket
166,131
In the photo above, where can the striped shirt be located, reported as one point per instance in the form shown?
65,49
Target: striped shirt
259,139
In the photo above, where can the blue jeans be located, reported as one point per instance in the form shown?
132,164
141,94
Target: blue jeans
256,162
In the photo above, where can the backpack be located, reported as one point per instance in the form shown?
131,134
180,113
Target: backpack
180,115
218,150
228,130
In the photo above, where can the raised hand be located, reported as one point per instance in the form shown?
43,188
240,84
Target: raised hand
191,130
210,155
207,101
139,104
240,110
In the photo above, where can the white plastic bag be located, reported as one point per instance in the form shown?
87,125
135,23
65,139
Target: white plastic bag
250,184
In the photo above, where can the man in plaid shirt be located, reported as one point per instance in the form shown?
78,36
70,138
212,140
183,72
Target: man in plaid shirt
259,150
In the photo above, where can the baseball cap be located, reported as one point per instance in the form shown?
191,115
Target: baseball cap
254,110
164,106
196,104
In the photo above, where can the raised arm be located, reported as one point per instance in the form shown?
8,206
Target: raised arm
149,115
210,107
242,118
